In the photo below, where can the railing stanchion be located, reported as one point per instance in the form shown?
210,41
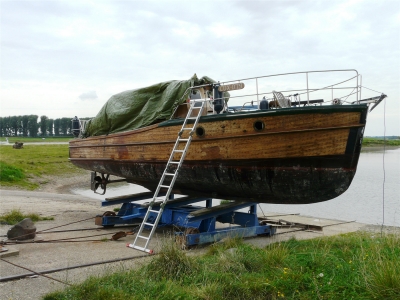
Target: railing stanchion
258,101
359,97
308,92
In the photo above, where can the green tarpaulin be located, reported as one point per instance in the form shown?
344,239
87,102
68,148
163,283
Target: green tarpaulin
141,107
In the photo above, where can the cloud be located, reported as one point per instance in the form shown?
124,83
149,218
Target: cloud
65,47
91,95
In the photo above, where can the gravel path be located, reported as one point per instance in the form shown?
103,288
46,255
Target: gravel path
45,256
65,208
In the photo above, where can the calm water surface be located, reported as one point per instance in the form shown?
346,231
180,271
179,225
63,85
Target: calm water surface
372,198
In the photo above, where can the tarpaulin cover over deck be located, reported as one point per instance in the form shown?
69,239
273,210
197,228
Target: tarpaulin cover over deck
142,107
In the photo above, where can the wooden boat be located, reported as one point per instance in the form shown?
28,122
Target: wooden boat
299,154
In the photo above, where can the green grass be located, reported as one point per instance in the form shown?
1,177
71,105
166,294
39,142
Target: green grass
368,141
10,173
32,163
351,266
225,201
12,140
15,216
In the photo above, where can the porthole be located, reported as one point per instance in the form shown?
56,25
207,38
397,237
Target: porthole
258,125
200,132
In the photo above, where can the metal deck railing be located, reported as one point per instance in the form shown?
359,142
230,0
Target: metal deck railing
333,86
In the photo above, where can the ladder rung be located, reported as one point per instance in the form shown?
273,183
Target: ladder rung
141,248
171,161
137,247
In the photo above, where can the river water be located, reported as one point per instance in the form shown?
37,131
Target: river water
372,198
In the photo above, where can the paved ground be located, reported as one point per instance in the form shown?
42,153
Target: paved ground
71,208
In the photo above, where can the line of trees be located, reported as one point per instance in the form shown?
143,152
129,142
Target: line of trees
33,126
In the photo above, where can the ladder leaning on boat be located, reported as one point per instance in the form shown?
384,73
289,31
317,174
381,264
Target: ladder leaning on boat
168,178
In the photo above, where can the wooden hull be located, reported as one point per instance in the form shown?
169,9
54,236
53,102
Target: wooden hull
287,156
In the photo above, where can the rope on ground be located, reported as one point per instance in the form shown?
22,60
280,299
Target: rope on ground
14,277
65,224
58,240
52,228
37,273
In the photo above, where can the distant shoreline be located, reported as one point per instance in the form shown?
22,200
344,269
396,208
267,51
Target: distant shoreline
377,147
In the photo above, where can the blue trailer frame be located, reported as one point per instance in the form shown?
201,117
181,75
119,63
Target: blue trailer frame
198,223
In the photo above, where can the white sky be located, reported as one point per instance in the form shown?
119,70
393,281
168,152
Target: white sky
66,58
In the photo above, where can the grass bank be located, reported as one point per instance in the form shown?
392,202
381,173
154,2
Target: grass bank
15,216
12,140
30,166
369,141
351,266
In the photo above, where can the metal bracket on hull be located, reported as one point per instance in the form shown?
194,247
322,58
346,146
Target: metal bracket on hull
374,100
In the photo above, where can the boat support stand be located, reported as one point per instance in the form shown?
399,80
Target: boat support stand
196,224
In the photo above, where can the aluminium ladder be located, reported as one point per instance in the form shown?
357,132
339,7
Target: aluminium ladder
168,176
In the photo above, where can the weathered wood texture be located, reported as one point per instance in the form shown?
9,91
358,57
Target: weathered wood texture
282,136
292,158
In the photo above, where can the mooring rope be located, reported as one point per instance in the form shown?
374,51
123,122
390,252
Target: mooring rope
13,277
42,231
65,225
259,205
37,273
14,242
383,158
371,89
383,164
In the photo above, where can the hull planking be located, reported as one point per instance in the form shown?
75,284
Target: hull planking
287,156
